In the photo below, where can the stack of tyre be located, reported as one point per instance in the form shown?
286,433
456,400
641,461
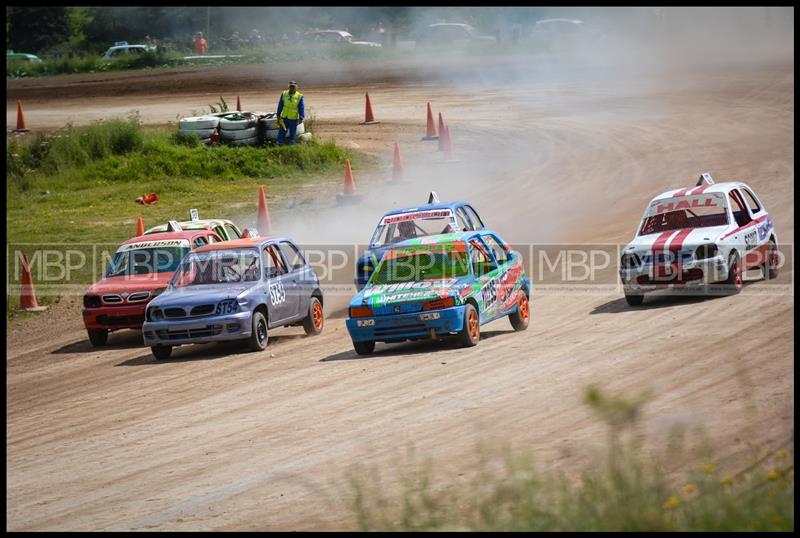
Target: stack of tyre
240,129
269,125
202,126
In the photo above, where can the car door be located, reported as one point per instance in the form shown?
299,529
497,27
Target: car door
508,276
485,270
759,236
275,274
297,279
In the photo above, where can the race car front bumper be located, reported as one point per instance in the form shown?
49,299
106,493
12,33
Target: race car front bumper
399,327
198,331
691,275
113,318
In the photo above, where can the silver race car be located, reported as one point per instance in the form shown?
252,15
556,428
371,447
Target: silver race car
235,290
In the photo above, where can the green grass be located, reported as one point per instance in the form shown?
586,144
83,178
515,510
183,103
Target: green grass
78,185
626,489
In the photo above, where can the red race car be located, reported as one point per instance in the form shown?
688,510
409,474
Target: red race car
140,270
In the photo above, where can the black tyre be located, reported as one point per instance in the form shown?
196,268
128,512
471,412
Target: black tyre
634,300
733,284
258,336
161,352
470,334
770,266
364,348
98,337
315,320
520,318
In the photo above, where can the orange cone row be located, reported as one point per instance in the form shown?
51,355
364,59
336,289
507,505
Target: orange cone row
369,118
27,295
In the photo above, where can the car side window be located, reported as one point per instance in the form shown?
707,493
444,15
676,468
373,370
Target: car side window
737,206
494,244
750,198
212,239
463,214
292,256
220,230
462,223
273,264
233,232
480,259
200,241
476,220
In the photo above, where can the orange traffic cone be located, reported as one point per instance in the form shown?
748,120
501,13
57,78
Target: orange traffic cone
139,226
21,128
349,196
369,119
238,104
441,133
430,133
27,296
448,146
264,223
397,165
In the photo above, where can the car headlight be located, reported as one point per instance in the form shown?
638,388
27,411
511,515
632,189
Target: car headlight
630,261
91,301
709,250
154,313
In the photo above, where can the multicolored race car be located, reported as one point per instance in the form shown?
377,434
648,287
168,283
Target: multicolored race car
399,225
696,237
224,228
139,270
235,290
448,284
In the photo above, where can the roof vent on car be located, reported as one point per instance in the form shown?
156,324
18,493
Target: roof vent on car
705,177
173,226
433,198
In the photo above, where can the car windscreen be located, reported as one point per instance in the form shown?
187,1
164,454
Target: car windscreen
396,228
218,267
684,212
145,261
396,268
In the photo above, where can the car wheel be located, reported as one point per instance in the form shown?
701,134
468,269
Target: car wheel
258,336
733,284
98,337
315,319
161,352
470,334
364,348
633,299
770,267
520,318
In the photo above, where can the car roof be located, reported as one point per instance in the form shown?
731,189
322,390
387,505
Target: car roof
452,237
164,235
573,21
196,224
426,207
449,24
723,187
247,242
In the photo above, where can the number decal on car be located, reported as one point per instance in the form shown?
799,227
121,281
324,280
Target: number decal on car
489,294
750,240
277,294
226,307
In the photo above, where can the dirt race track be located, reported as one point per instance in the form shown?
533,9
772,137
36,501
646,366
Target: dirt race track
220,439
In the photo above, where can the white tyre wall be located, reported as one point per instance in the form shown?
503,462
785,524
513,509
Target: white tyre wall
272,134
269,123
237,125
201,133
238,134
198,122
244,142
305,137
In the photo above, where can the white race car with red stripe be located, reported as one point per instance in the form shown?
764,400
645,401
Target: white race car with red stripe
696,237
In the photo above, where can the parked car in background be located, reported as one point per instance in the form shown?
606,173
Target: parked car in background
122,48
334,37
12,56
224,228
449,33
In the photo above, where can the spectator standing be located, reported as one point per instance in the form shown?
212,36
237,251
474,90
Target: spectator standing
200,43
291,112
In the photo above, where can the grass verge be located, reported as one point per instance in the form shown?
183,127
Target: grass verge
77,187
626,490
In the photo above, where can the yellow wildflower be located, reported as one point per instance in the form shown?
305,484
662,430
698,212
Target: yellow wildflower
783,453
689,488
671,503
774,474
709,468
776,518
727,481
